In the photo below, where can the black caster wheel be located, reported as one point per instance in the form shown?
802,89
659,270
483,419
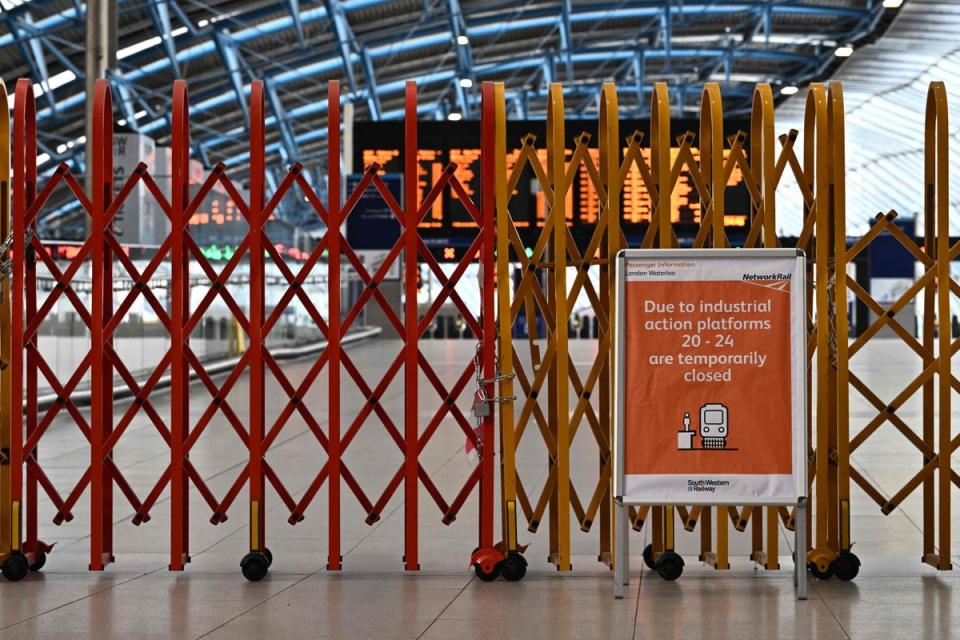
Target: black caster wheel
485,575
269,555
670,565
648,557
817,573
15,567
846,566
514,567
39,562
254,566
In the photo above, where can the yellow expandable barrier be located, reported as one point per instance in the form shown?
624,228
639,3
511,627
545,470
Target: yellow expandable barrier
554,396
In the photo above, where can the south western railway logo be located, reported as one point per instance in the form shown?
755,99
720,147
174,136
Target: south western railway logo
706,486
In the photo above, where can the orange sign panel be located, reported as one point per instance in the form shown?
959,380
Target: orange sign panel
711,403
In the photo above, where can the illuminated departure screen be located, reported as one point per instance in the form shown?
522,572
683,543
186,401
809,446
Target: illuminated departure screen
448,222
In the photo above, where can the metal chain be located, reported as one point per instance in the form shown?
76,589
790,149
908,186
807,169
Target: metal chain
6,263
482,404
832,310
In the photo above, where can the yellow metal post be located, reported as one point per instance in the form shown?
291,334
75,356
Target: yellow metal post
556,161
714,181
508,450
838,202
660,165
929,335
816,163
610,177
763,162
936,177
711,157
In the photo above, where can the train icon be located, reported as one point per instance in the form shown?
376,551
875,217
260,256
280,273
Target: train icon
713,431
714,426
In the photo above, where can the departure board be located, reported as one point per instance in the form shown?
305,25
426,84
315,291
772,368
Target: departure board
448,224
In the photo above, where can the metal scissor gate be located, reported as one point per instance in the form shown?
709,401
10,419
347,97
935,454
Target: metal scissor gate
25,475
566,405
545,381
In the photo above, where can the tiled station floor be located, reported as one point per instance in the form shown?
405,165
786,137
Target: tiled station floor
894,596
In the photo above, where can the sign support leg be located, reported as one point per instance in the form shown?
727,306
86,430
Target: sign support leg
800,550
621,566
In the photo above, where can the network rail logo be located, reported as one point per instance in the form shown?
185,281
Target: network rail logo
767,276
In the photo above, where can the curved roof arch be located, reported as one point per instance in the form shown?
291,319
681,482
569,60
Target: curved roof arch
373,46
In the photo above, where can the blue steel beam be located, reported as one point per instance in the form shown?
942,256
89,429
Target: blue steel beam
293,6
160,15
289,148
483,70
126,94
55,50
566,36
227,48
182,15
531,15
458,30
596,12
32,53
478,29
346,43
373,93
639,70
666,27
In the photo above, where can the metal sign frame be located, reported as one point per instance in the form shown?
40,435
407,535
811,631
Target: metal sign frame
798,369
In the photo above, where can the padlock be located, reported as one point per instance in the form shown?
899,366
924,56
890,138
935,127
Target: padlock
481,410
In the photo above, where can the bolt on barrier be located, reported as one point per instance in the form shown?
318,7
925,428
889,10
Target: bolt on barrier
23,434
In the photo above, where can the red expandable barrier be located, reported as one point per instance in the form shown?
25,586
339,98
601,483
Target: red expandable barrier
103,253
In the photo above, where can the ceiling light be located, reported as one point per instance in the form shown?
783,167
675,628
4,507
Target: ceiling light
789,90
454,116
844,52
466,83
463,40
892,4
203,23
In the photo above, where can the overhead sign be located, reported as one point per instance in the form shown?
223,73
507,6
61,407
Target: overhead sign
442,143
711,377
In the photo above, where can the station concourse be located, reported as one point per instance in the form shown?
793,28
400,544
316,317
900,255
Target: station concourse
461,319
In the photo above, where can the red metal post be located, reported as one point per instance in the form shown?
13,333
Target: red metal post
30,295
411,348
488,297
256,311
333,320
24,194
101,401
179,316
